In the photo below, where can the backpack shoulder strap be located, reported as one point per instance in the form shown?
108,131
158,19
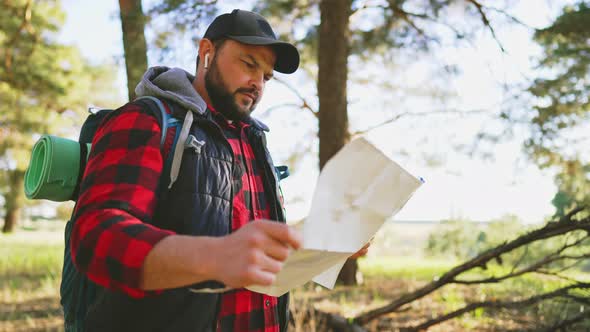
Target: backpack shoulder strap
167,121
160,113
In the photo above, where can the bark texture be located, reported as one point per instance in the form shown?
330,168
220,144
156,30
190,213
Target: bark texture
133,25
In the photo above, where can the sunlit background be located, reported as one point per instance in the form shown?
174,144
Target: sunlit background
465,178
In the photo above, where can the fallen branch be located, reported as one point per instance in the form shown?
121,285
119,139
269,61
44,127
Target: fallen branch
551,229
561,292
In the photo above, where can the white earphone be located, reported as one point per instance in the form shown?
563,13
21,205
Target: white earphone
206,60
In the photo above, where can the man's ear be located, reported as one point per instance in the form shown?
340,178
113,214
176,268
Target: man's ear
206,47
206,51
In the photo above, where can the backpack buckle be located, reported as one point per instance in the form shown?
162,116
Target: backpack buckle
194,143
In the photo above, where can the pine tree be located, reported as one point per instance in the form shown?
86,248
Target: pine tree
560,115
41,82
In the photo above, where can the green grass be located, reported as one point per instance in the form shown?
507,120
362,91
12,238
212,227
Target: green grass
23,257
30,274
413,268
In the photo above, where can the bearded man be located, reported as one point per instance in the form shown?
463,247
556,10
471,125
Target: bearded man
219,223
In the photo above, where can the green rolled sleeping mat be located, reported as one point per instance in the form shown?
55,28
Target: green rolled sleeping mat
55,168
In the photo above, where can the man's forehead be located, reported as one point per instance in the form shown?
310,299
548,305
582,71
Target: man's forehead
263,54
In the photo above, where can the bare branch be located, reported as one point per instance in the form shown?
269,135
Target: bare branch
557,275
408,114
510,16
531,268
520,259
305,104
486,21
561,292
406,16
551,229
365,6
274,107
577,261
579,299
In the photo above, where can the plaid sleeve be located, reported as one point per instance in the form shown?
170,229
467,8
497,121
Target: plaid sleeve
111,235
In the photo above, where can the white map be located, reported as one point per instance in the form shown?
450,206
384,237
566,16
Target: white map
357,191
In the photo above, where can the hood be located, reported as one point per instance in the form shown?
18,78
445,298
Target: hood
171,83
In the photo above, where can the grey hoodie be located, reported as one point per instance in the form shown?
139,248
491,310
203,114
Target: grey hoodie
171,83
174,84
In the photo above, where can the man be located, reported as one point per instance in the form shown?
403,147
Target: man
150,248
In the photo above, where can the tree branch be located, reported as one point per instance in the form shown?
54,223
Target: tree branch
555,274
561,292
486,21
535,267
304,103
511,17
408,114
274,107
520,259
563,226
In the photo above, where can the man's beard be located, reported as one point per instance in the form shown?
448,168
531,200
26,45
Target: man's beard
223,100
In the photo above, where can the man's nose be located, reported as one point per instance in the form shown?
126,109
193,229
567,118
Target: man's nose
257,81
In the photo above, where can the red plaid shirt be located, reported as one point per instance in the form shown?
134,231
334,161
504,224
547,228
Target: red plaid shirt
243,310
111,235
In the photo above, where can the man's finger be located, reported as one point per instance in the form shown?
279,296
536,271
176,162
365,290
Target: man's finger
282,233
261,277
271,265
275,249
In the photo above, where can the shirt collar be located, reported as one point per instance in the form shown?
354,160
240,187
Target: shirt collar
224,122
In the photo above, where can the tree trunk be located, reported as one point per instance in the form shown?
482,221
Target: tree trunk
333,53
133,24
14,200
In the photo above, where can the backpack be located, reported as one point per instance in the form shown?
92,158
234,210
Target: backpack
55,173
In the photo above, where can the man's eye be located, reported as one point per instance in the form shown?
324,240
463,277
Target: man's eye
250,65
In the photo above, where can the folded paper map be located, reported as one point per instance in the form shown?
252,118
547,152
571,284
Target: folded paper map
357,191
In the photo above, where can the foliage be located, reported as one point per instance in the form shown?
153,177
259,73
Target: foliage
463,239
43,85
184,16
410,27
456,238
561,106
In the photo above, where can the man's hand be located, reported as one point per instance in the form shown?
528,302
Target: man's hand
254,254
362,252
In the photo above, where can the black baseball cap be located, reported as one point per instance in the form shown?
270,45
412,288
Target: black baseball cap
251,28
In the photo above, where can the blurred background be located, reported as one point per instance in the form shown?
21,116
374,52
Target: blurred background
488,101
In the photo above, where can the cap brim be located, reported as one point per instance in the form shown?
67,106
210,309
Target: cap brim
287,55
